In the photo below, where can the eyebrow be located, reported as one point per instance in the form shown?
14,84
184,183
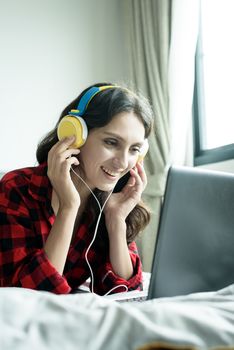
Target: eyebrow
121,138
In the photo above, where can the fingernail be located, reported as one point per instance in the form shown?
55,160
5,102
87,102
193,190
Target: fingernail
69,138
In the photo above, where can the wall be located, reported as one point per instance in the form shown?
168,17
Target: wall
227,166
50,51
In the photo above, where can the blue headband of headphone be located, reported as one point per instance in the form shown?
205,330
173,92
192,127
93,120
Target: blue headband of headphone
86,98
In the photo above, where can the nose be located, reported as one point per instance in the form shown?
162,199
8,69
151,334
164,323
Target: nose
121,160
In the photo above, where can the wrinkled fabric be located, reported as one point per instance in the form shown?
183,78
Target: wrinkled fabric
40,320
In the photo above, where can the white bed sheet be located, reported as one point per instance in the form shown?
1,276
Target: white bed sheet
40,320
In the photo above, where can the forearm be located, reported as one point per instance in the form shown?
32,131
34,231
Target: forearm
59,239
119,253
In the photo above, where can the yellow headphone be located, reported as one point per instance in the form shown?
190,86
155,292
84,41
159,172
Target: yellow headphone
74,124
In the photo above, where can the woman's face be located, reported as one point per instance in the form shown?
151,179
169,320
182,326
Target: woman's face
111,151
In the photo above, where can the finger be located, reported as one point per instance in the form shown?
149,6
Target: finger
60,157
68,163
63,172
64,144
70,152
131,181
142,173
136,176
60,151
140,177
54,150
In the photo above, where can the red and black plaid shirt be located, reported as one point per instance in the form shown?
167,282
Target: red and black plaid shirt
26,218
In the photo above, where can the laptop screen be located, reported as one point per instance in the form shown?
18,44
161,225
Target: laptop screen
194,249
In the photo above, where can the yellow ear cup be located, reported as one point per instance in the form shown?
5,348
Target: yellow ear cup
144,150
69,126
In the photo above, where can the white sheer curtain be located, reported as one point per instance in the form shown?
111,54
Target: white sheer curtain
148,34
162,60
184,33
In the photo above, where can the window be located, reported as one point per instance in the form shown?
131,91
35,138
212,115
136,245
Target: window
214,83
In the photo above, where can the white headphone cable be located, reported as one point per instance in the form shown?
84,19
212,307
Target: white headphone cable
95,234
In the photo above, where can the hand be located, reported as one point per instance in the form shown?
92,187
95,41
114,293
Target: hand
122,203
60,160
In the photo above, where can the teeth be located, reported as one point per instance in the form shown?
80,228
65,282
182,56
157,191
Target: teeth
109,172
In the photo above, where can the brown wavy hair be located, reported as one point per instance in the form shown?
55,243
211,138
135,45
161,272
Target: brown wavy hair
99,112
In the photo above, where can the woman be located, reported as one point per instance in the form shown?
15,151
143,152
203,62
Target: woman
60,223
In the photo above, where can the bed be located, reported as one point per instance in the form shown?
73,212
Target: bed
40,320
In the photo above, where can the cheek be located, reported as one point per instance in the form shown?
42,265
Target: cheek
88,152
92,157
133,162
102,155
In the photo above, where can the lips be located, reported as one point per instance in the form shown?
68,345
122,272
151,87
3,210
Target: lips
110,172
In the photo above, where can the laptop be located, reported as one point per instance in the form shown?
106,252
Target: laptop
194,250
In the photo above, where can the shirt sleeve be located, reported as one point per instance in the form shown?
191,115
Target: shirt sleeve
22,264
105,279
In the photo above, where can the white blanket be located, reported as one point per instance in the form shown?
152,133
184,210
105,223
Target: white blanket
40,320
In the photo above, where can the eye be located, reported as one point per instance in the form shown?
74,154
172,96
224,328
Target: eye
135,149
111,142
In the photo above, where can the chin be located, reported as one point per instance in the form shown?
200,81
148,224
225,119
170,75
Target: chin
106,188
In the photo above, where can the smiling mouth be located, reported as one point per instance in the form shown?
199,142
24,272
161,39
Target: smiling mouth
110,172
